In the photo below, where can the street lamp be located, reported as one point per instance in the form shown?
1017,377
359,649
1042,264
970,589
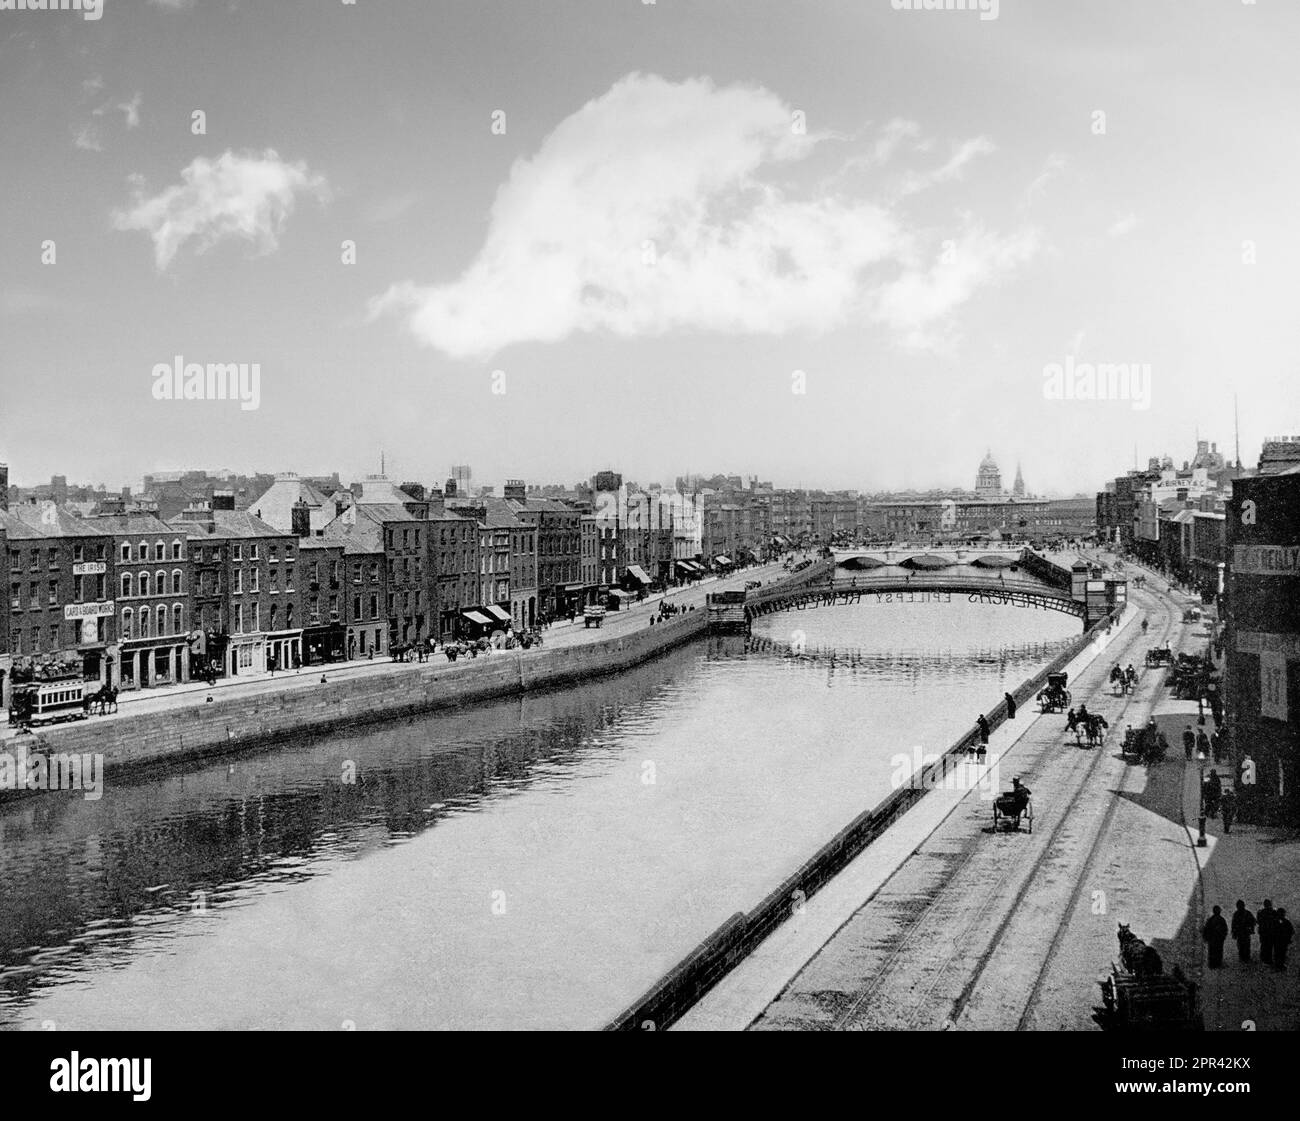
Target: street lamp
1200,838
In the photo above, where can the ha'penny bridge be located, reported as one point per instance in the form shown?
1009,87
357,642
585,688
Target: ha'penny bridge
1018,578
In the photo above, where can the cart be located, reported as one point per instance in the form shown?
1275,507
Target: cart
1054,697
1150,1003
593,616
1009,808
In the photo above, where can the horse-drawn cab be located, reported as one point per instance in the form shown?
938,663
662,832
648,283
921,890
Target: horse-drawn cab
1192,615
1054,696
1011,806
1160,656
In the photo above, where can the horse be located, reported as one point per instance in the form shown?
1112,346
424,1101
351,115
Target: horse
1139,959
1093,726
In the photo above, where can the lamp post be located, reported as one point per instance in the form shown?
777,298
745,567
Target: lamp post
1200,837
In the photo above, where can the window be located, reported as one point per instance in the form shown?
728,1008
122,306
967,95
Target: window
176,550
78,554
238,554
16,596
356,572
253,582
177,589
144,583
288,615
275,582
162,619
160,583
257,616
239,581
178,619
275,617
315,572
288,579
239,618
54,591
142,553
101,552
144,622
356,607
253,553
126,585
274,554
34,595
52,560
54,636
288,552
35,560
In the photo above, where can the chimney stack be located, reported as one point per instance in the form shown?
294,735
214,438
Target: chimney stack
300,519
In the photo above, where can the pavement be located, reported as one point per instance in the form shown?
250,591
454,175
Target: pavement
944,924
559,634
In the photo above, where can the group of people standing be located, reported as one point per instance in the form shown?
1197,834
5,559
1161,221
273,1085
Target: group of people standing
1274,929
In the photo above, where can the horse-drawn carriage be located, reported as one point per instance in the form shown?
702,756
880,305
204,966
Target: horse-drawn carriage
1192,676
1011,806
1054,696
1192,615
1160,656
1141,997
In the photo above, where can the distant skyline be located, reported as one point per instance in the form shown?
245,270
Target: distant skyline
545,238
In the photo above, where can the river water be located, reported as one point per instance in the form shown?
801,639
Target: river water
535,862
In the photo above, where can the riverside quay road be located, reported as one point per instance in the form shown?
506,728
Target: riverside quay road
946,924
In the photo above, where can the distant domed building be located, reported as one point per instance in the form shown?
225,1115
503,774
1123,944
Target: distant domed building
988,483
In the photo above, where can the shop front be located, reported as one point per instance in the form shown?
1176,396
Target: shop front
323,644
146,663
284,650
246,655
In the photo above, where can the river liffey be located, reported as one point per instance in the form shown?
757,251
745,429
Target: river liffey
535,862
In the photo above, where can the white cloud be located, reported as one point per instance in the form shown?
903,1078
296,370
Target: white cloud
87,139
1123,226
1053,167
132,110
671,171
239,196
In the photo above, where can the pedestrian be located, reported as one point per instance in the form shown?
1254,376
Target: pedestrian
1215,933
983,745
1266,920
1228,808
1211,792
1243,926
1216,746
1203,745
1282,933
1011,706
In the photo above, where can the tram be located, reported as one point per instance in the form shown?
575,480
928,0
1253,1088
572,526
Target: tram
35,703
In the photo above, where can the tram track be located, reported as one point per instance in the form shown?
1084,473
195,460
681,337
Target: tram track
1076,878
947,906
1031,1005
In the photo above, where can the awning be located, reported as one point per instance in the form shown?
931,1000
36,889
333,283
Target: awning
477,617
685,565
638,573
621,594
575,587
497,613
722,560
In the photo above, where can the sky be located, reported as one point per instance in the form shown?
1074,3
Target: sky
831,244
